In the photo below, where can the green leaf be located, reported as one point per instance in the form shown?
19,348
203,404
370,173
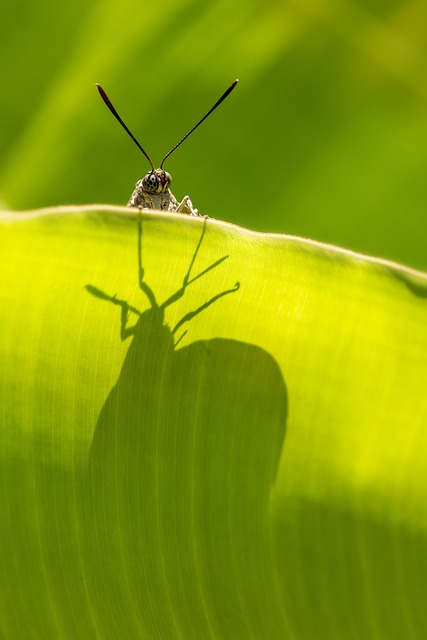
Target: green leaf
207,433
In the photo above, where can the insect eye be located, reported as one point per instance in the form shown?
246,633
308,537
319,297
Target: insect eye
150,182
168,178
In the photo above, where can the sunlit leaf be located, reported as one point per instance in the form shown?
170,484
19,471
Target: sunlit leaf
207,433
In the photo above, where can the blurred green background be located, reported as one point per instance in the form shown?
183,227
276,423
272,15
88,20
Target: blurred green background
324,137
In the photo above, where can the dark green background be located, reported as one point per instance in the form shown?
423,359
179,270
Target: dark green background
325,136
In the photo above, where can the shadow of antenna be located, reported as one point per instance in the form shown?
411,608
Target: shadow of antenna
126,308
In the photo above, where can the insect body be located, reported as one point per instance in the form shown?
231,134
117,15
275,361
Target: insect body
152,191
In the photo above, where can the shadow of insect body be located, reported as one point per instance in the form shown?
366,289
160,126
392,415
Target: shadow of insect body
183,459
152,347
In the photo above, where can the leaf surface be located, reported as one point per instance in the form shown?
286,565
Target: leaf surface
208,432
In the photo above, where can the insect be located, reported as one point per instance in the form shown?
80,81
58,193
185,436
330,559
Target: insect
152,191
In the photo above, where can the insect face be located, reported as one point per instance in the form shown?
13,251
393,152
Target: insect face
156,181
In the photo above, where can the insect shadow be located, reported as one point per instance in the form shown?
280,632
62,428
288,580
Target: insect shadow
181,469
155,314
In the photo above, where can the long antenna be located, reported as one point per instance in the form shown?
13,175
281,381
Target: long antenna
222,98
116,115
